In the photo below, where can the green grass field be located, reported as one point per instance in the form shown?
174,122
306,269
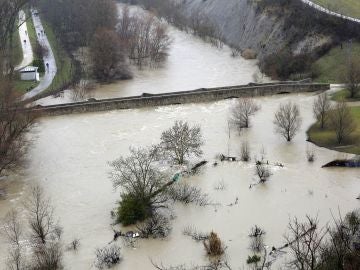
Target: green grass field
331,67
347,7
32,33
17,53
344,95
326,138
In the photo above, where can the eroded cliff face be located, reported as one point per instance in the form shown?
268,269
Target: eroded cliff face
244,25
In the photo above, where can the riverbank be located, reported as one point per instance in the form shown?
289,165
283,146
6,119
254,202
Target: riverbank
263,27
327,137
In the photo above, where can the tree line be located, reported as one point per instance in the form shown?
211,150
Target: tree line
112,37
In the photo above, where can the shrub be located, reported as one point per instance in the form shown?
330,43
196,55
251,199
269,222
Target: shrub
132,209
40,64
253,259
213,245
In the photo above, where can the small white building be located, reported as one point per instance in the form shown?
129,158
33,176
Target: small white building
29,73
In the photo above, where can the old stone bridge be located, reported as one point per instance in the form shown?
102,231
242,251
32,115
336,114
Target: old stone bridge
192,96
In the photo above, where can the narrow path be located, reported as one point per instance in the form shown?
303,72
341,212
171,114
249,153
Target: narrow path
325,10
25,42
49,58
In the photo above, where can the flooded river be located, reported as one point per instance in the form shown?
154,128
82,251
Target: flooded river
69,159
70,154
191,64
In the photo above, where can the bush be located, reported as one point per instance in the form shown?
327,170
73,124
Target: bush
132,209
213,245
253,259
40,64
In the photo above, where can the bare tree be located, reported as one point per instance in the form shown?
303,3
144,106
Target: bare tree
305,241
288,120
40,216
157,226
243,109
145,37
81,91
321,108
245,151
352,77
15,122
181,141
13,231
143,185
107,256
342,121
185,193
108,56
48,256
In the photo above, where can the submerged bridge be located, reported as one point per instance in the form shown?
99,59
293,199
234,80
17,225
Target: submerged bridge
192,96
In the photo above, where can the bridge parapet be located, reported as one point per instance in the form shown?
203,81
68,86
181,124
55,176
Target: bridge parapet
183,97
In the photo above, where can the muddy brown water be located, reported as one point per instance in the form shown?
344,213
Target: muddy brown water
69,159
191,64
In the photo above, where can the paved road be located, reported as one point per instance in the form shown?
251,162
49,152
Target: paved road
49,59
25,42
325,10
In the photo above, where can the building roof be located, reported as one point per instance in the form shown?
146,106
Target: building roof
28,69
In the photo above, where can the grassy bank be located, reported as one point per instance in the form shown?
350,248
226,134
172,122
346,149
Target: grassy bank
32,33
344,95
347,7
331,67
17,53
326,137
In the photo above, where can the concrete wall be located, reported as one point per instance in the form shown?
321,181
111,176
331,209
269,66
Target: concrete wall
193,96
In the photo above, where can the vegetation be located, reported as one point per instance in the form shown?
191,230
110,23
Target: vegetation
332,65
327,137
109,60
284,64
321,108
344,95
14,124
43,250
243,109
181,141
287,120
142,185
213,245
17,54
349,8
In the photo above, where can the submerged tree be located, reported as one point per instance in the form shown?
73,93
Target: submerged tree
181,141
142,184
243,109
287,120
321,108
40,216
108,56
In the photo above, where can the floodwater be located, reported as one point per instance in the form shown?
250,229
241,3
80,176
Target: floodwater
69,160
191,64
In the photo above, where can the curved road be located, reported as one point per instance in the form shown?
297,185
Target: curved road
325,10
25,42
49,59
